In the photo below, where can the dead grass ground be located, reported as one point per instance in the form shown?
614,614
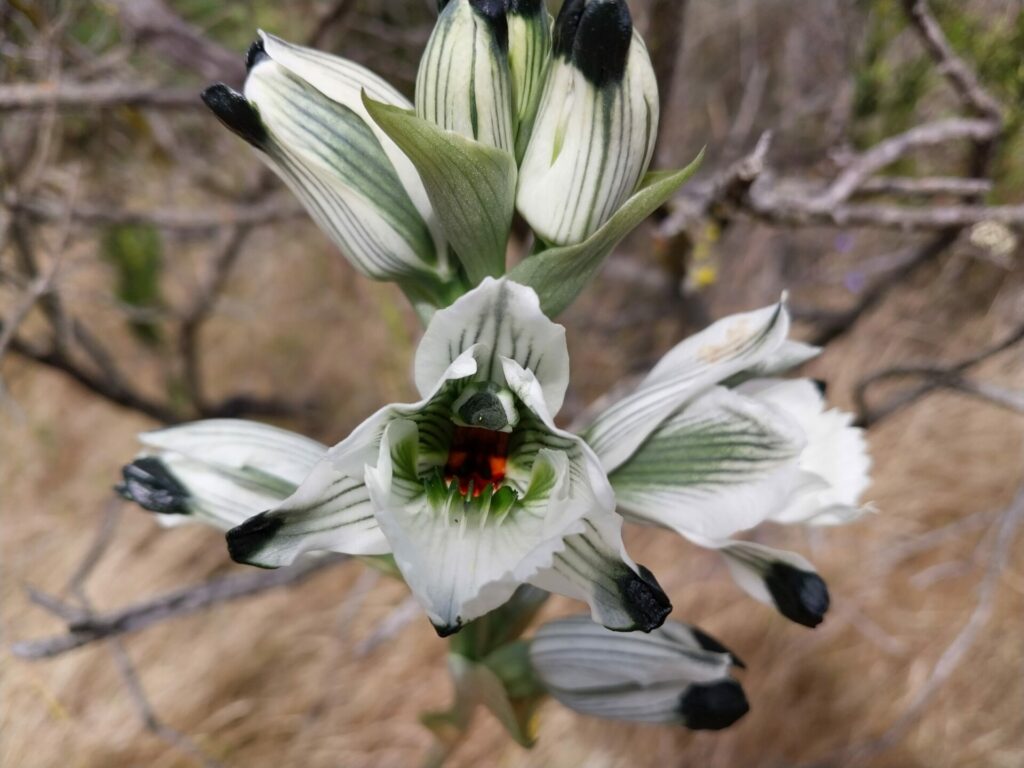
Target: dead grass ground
276,680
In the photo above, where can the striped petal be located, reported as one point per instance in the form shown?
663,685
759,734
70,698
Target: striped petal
675,674
529,53
219,471
727,347
463,83
596,124
336,165
835,462
595,568
722,464
501,319
331,508
464,556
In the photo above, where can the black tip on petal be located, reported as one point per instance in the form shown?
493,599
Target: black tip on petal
714,706
447,630
248,539
646,602
525,7
566,24
442,4
708,643
255,54
149,483
822,386
235,111
493,12
801,596
601,48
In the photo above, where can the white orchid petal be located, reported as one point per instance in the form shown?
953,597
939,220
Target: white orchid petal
329,511
343,81
459,559
594,567
657,677
505,319
529,54
722,464
713,355
835,461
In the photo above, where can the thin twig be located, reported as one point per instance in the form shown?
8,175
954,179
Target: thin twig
180,602
103,95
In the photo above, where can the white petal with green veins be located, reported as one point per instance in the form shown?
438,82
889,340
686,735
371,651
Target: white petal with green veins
725,348
722,464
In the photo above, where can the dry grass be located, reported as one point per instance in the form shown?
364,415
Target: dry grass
276,680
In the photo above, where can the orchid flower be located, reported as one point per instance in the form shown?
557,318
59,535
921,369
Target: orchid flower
473,489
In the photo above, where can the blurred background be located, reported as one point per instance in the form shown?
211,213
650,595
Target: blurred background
152,271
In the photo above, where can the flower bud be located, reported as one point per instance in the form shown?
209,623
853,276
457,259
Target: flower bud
529,53
674,674
596,124
463,84
303,111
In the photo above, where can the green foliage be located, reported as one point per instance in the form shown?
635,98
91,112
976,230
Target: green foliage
887,90
135,254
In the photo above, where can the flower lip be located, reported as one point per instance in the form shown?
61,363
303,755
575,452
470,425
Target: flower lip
477,458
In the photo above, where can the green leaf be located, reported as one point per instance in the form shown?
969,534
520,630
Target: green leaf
560,274
135,253
471,186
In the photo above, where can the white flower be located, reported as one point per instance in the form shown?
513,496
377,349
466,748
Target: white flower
594,133
675,674
707,448
463,84
303,110
473,489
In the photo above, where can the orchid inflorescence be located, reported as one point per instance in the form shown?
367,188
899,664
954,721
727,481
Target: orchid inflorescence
474,494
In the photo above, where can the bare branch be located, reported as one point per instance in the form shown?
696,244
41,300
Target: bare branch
927,186
949,376
952,67
102,95
180,602
199,221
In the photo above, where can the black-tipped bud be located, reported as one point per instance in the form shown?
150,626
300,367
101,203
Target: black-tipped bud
644,599
235,111
595,36
801,596
149,483
714,706
447,630
821,385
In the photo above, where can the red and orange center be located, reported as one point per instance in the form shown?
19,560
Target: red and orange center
478,457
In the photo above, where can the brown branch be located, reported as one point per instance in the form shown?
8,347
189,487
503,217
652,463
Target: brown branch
103,95
197,221
949,376
180,602
925,187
